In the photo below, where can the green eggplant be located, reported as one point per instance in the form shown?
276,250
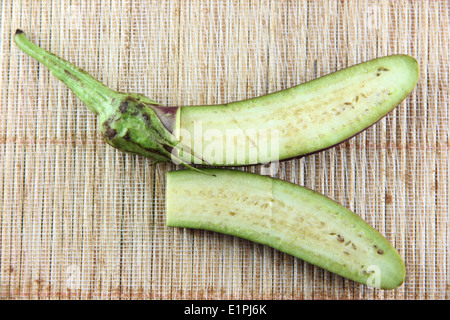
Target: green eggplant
291,123
284,216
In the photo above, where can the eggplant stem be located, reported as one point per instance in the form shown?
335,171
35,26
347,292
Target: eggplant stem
89,90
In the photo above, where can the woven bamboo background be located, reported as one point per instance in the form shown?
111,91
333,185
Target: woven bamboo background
80,220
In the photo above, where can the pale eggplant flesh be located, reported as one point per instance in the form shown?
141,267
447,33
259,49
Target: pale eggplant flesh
286,217
301,120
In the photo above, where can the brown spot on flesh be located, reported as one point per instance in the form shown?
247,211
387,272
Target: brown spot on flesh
379,251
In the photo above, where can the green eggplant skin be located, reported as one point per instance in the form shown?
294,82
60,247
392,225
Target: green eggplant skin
286,217
301,120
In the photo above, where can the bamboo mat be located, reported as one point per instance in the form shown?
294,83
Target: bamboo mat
81,220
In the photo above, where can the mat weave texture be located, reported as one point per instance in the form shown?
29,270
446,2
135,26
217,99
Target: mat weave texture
81,220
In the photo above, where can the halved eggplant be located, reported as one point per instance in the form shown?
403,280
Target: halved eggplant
300,120
284,216
294,122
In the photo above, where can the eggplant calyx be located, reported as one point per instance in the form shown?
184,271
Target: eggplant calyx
129,122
